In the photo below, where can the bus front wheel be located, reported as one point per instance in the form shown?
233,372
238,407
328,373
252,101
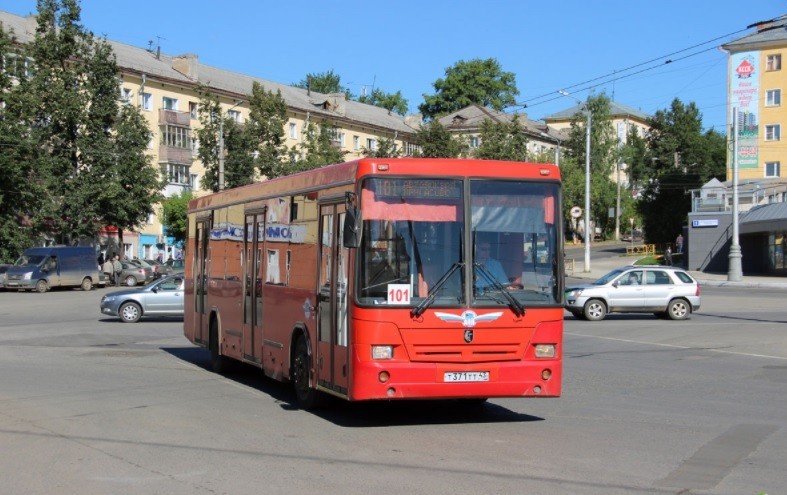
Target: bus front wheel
305,395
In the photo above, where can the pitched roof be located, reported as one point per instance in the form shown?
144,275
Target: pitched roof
471,117
772,32
160,65
615,110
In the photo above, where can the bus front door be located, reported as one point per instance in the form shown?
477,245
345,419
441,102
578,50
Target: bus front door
252,288
332,355
200,281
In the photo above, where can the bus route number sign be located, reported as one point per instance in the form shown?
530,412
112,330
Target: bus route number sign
399,293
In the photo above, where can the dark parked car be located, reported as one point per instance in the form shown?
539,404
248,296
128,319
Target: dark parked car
133,274
161,268
177,265
164,297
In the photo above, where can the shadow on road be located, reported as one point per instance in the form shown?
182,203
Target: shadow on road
363,414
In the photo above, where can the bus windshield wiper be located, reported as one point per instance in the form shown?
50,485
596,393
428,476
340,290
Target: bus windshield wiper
513,303
418,310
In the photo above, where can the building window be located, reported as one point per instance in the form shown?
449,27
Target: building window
147,102
474,141
16,66
176,137
194,110
293,130
356,143
178,173
194,146
336,136
773,132
234,116
773,62
169,103
125,95
773,97
371,144
772,169
410,149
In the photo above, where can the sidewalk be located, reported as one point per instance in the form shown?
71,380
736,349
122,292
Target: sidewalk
599,267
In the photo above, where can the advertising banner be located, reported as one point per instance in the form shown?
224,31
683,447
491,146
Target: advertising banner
745,89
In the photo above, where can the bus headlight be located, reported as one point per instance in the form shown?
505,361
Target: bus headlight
382,352
545,350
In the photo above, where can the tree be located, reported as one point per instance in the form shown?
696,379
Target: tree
683,158
393,102
434,141
502,141
267,117
209,113
79,150
482,82
603,155
386,148
316,150
22,193
174,215
324,82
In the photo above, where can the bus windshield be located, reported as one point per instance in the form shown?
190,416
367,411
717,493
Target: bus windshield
415,236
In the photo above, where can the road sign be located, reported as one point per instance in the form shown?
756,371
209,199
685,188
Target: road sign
576,212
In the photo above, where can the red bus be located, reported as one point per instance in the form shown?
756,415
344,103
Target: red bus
385,279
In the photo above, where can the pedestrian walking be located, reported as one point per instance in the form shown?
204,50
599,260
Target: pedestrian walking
679,244
109,270
117,267
668,257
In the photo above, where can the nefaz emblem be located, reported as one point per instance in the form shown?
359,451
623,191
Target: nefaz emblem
468,318
468,336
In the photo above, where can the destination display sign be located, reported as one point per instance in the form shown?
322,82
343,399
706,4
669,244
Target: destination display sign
416,188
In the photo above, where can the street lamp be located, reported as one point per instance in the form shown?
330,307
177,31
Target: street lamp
221,145
588,233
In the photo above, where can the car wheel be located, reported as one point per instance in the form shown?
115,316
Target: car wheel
87,284
131,281
42,286
678,309
595,310
306,396
130,312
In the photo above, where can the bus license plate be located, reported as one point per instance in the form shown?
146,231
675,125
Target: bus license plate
466,376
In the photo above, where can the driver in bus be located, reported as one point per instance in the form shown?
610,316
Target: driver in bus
492,266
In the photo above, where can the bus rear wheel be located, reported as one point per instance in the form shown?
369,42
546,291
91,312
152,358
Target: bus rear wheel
218,362
306,396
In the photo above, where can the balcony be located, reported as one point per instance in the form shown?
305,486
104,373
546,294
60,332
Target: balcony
171,154
174,117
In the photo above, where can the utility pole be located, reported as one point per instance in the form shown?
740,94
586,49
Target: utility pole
735,271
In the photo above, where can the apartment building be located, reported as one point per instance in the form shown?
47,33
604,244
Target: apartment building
164,87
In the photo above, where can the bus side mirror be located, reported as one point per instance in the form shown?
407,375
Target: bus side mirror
352,228
351,235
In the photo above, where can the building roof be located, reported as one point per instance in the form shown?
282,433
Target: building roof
616,110
765,218
768,33
153,64
469,119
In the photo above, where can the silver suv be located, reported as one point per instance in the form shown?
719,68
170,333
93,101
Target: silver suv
665,291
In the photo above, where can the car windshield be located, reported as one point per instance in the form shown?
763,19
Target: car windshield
415,241
609,277
30,260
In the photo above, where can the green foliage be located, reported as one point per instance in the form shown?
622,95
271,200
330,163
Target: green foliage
435,141
682,158
478,81
324,82
174,216
393,102
267,117
72,160
386,148
316,150
603,157
502,141
209,113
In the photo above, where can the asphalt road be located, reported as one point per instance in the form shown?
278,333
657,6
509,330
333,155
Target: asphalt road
90,405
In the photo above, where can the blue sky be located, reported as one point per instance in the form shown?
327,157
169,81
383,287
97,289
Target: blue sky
406,45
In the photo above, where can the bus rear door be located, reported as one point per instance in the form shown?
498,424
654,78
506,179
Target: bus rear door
332,351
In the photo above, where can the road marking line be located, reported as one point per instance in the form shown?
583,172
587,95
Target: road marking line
720,351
